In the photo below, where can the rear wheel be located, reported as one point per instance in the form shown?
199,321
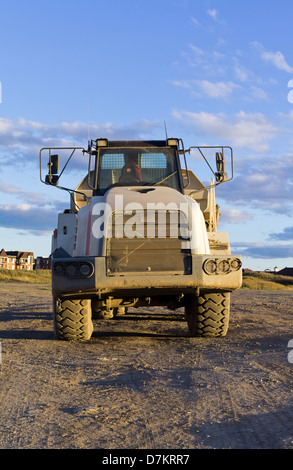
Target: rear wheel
208,314
72,319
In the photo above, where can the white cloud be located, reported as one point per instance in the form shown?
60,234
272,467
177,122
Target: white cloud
16,207
264,251
216,89
247,130
182,83
194,55
288,117
275,58
213,13
259,93
287,234
241,73
235,216
27,217
6,125
219,76
25,138
264,183
195,21
27,196
197,51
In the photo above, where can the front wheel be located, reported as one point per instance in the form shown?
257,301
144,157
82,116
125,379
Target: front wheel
208,314
72,319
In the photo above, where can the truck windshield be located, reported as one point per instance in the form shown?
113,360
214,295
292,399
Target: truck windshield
137,167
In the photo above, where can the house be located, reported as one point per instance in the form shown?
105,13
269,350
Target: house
6,260
286,272
23,259
42,263
3,259
16,260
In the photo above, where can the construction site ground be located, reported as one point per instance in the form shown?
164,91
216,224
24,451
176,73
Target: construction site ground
141,382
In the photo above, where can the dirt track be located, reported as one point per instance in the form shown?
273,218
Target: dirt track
145,384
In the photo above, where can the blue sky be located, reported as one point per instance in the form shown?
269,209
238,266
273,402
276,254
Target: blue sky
216,71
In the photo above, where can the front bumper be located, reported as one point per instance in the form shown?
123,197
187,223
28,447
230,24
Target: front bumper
71,278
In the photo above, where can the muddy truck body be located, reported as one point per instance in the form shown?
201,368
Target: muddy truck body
141,230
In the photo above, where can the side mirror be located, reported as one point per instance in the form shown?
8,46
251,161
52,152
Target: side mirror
52,179
221,174
53,167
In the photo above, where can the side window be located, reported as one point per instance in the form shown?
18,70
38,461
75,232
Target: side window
184,170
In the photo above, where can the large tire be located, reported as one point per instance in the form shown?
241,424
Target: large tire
72,319
208,314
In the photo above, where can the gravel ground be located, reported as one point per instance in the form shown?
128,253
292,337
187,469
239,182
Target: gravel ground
142,383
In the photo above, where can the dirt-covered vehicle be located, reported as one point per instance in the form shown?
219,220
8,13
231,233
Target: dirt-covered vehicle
141,230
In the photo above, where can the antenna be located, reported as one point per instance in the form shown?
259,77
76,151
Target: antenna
166,130
88,119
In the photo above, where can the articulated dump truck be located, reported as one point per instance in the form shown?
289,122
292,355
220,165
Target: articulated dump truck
140,230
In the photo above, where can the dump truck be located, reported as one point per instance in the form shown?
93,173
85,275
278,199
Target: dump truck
140,230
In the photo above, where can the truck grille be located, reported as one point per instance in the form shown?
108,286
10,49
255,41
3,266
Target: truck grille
156,247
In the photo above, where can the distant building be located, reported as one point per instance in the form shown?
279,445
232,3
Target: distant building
6,261
286,272
42,263
276,270
16,260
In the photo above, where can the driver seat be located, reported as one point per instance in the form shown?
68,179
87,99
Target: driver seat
130,173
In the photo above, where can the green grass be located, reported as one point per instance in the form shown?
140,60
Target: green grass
266,281
41,276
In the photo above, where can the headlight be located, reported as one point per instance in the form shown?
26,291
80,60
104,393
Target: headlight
74,269
172,142
221,266
210,266
71,270
102,142
86,269
59,268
